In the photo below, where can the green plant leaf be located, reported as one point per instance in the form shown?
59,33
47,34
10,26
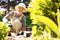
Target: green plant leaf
58,19
47,21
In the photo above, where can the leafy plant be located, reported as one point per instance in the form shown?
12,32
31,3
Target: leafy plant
1,14
4,30
28,21
45,12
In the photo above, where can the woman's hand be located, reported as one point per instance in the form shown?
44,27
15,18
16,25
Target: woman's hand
5,20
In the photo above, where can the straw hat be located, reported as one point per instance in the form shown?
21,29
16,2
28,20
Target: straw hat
22,5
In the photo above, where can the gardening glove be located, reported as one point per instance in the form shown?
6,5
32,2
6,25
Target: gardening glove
5,20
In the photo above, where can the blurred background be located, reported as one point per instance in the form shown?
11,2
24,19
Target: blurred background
8,5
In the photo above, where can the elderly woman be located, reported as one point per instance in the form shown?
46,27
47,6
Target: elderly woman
18,19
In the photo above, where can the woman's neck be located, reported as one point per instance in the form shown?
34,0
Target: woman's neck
19,14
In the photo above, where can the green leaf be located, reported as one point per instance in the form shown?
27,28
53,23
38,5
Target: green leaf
47,21
58,19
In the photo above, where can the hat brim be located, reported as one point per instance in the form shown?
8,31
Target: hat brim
18,6
25,9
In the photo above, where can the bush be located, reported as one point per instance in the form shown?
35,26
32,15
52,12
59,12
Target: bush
2,13
46,14
4,30
28,21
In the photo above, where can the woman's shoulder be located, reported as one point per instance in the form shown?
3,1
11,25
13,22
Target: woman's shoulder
11,12
23,17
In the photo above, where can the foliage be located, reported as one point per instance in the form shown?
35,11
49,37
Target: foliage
58,20
1,14
50,22
4,30
28,21
45,13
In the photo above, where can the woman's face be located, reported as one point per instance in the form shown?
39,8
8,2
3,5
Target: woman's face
20,10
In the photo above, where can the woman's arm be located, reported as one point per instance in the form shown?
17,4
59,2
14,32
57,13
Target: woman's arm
8,16
23,23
